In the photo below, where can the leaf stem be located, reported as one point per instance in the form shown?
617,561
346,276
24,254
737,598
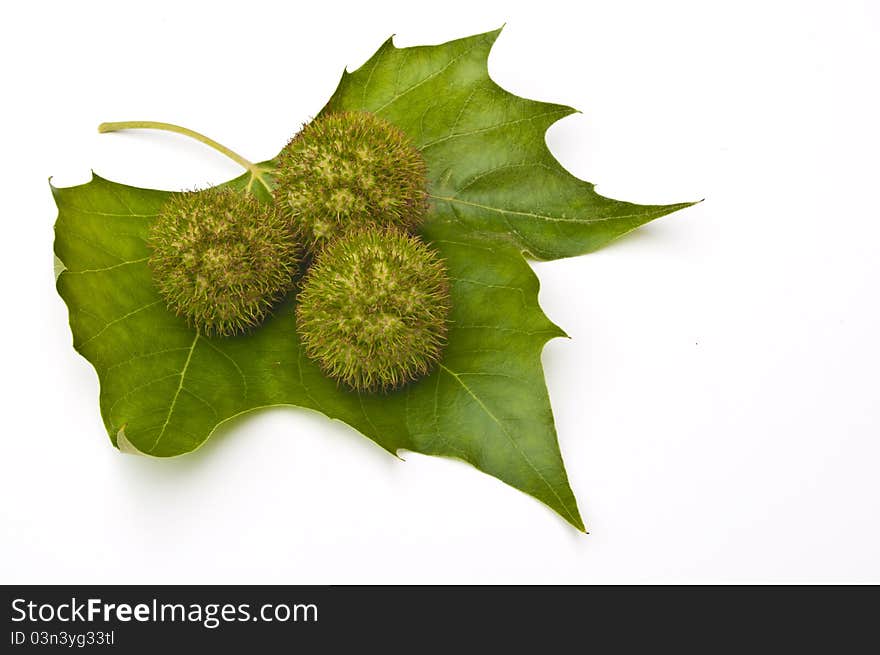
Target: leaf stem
255,170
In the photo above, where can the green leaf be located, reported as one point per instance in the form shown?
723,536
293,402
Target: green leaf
496,191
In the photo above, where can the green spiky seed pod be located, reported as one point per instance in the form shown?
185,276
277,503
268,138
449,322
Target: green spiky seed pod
373,309
349,170
221,258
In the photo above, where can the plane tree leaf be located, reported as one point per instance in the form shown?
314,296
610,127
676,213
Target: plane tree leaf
496,192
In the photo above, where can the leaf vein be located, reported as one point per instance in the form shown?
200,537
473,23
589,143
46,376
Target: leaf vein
107,268
513,442
111,214
117,320
440,71
176,394
547,217
134,390
234,363
143,356
497,126
201,400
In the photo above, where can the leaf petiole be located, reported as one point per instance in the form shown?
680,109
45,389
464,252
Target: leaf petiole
257,172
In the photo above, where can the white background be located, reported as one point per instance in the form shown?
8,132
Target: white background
718,405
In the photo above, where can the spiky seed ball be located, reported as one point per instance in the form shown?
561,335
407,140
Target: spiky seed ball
220,258
348,170
373,308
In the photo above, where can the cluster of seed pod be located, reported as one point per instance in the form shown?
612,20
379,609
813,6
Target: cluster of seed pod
350,192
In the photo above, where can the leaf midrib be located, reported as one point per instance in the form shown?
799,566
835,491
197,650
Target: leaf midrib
559,219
